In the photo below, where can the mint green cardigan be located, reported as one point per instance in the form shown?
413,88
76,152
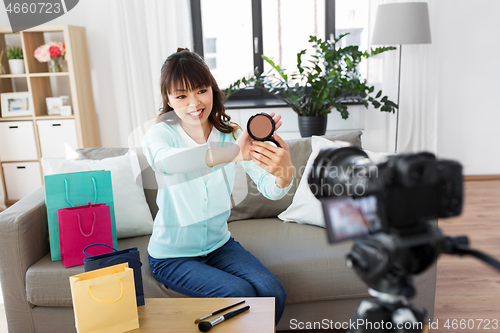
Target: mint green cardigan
192,216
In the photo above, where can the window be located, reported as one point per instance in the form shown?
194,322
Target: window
211,53
233,35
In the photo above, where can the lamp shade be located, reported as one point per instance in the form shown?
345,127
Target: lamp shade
402,23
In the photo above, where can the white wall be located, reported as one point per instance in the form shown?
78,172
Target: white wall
469,84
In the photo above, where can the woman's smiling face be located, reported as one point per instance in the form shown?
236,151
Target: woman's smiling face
193,107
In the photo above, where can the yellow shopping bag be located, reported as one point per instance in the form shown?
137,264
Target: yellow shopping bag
104,300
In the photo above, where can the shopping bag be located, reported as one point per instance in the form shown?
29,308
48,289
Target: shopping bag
131,256
76,189
104,300
81,226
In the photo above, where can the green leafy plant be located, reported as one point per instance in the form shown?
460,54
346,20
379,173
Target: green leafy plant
321,84
14,52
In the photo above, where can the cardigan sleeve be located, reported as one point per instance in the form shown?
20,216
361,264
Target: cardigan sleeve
266,182
161,153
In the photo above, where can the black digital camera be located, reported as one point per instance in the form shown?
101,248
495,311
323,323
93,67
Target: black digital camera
360,197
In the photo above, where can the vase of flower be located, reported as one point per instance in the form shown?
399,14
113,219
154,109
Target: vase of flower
54,65
52,53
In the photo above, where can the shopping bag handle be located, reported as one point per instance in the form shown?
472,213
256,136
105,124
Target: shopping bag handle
67,192
100,300
93,224
138,262
88,255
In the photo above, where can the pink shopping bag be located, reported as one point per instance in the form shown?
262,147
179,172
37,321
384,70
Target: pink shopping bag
81,226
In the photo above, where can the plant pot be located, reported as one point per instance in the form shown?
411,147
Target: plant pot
16,66
309,126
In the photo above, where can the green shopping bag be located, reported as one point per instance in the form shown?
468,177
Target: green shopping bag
76,189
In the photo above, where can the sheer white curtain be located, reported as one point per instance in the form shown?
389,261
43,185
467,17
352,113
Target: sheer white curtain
144,34
418,112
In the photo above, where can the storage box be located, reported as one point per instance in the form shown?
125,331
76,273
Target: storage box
21,179
58,138
18,141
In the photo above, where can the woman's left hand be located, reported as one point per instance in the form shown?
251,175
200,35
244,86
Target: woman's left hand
274,160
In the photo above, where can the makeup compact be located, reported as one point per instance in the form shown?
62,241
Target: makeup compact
261,127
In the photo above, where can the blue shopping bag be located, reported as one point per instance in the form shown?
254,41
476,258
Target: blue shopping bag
130,256
76,189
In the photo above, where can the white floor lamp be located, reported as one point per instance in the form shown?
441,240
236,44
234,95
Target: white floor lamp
401,23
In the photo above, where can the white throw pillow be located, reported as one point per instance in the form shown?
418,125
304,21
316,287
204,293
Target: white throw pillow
305,208
132,214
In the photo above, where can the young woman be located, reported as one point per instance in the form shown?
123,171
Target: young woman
194,148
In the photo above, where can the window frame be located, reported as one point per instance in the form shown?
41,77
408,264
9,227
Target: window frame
251,97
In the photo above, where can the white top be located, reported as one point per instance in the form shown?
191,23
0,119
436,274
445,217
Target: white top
190,143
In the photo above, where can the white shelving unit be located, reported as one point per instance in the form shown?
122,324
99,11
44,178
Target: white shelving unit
25,140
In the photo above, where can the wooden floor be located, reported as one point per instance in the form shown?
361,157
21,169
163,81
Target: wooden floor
466,287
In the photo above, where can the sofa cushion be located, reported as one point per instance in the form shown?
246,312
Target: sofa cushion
255,205
300,256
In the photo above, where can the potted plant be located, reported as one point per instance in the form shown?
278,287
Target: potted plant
16,62
320,85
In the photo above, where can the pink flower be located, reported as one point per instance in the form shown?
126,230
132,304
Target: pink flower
54,51
42,54
61,47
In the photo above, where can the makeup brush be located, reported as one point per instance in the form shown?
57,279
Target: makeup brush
217,312
205,326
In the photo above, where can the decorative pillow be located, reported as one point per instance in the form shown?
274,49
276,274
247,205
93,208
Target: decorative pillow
255,205
100,153
132,214
305,208
147,179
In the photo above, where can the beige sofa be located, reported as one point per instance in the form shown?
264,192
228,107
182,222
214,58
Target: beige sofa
314,273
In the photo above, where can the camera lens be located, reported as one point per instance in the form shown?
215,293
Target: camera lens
340,172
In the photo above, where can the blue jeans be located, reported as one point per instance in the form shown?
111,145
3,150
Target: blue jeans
230,271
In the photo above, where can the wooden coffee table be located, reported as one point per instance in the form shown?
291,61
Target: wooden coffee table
178,315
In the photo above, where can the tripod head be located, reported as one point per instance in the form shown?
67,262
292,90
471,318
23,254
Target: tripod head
386,262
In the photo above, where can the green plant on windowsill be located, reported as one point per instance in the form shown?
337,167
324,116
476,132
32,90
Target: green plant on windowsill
14,52
321,84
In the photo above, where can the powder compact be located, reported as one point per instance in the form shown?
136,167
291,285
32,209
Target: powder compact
261,127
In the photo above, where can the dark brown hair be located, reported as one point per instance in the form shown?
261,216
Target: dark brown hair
188,70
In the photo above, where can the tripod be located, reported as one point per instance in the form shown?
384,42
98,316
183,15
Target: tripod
386,262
